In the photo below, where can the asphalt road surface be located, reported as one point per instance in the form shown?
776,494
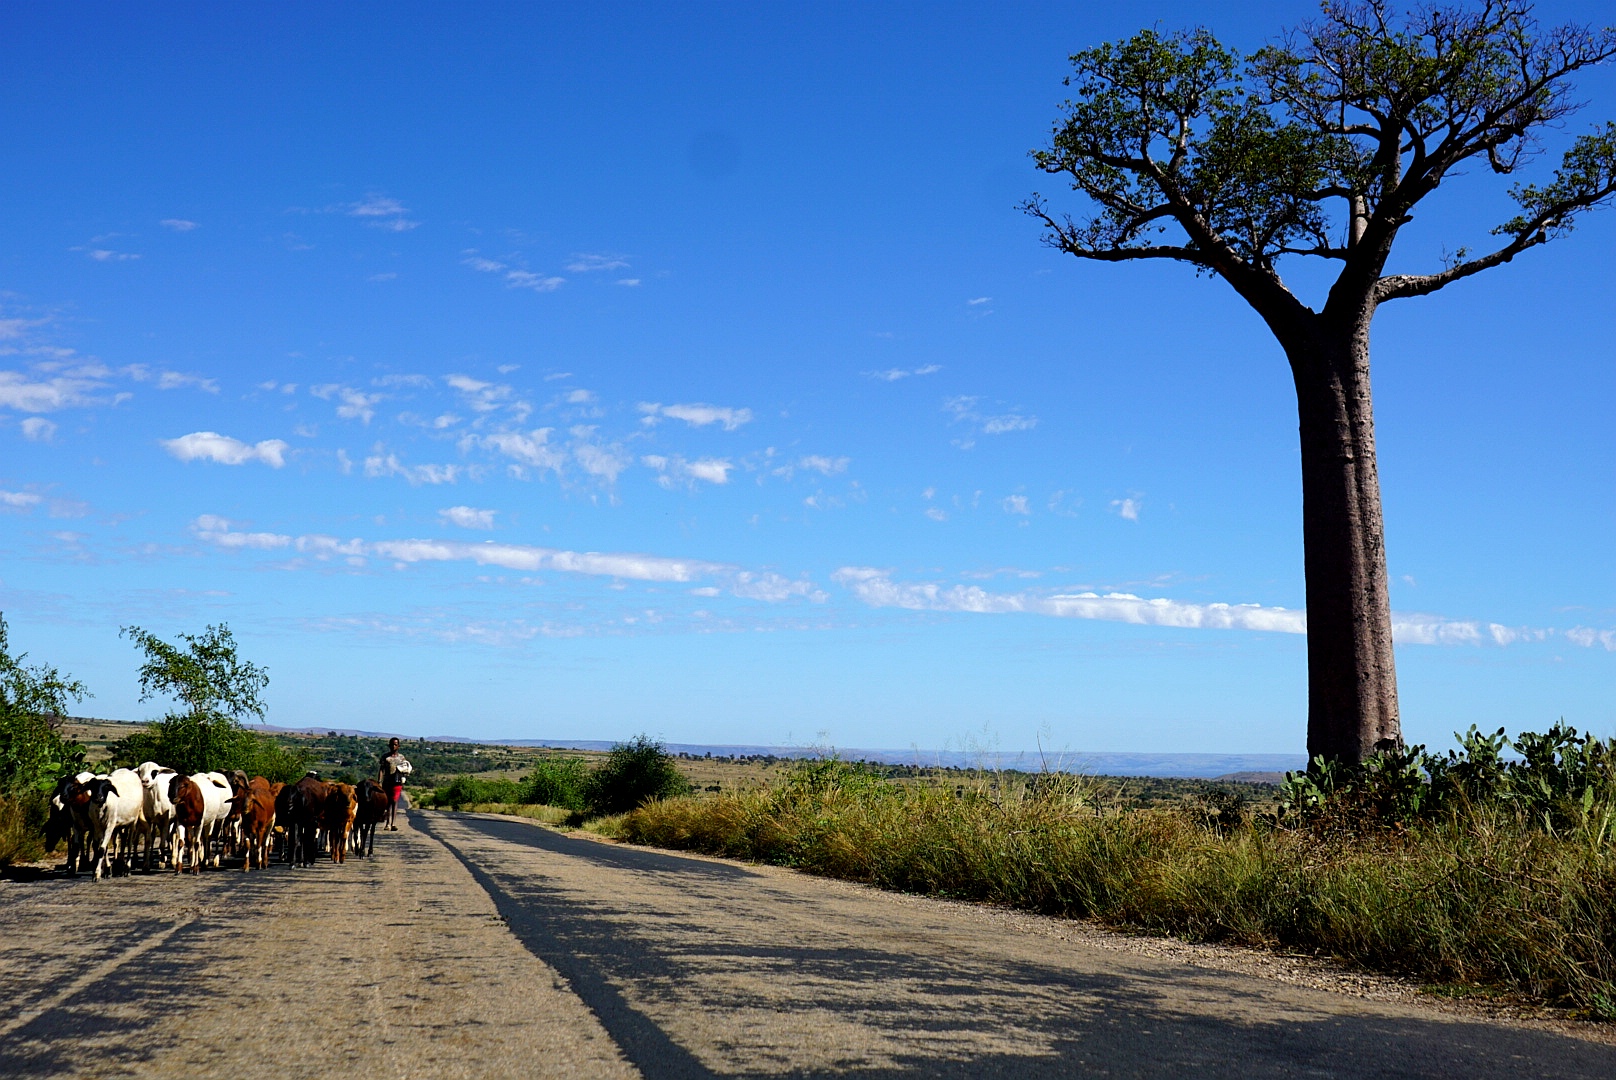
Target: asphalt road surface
474,946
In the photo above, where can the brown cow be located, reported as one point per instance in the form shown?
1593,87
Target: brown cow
189,808
339,819
305,806
231,830
371,812
258,821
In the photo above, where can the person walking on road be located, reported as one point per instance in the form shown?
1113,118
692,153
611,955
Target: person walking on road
394,771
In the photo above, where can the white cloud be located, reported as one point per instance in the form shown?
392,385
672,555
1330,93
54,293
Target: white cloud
383,213
174,380
824,465
389,465
696,415
19,500
999,425
676,470
579,397
1127,509
876,588
588,264
515,277
1016,504
480,396
38,429
712,470
414,382
819,463
177,224
211,446
979,301
524,279
629,282
936,513
221,531
894,374
31,394
1588,637
606,462
468,517
765,586
353,404
106,255
531,450
964,410
773,588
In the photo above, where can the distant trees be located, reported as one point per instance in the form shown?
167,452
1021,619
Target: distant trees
1321,146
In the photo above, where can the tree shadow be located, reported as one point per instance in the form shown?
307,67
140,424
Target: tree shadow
973,1015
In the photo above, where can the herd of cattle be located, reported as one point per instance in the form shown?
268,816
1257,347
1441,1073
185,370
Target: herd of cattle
197,820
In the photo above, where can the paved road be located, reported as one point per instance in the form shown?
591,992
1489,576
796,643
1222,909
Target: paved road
481,947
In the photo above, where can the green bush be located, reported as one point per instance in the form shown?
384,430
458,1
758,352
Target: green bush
33,700
633,774
192,743
556,782
465,790
1561,780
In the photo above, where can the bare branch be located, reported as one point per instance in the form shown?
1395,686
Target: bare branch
1398,286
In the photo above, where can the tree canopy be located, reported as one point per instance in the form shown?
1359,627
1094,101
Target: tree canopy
207,674
34,698
1322,143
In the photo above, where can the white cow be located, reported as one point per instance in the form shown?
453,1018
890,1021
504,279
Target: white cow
116,805
216,801
157,817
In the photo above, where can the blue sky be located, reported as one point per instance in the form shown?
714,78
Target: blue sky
573,372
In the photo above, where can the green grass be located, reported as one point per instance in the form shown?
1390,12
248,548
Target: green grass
1475,899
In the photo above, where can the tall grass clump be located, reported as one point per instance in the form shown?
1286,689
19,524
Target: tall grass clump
1492,873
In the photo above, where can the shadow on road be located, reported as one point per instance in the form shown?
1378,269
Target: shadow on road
939,1013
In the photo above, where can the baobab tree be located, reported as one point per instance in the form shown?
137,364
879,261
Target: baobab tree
1321,146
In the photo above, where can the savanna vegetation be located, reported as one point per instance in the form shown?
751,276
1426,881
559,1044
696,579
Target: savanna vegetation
204,673
1477,869
34,751
630,775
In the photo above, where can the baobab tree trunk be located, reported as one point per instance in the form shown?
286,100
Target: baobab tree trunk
1351,673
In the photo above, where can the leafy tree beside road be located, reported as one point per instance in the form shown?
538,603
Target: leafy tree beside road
1321,146
34,699
219,690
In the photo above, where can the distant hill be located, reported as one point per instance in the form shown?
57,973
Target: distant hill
1248,768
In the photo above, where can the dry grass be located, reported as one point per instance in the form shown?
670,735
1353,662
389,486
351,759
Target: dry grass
1475,901
550,815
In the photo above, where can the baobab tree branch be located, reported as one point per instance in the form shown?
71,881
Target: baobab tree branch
1398,286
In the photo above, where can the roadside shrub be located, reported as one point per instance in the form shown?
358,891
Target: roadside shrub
1477,889
466,790
633,774
556,781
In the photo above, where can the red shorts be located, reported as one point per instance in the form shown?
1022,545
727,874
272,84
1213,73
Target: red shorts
393,792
